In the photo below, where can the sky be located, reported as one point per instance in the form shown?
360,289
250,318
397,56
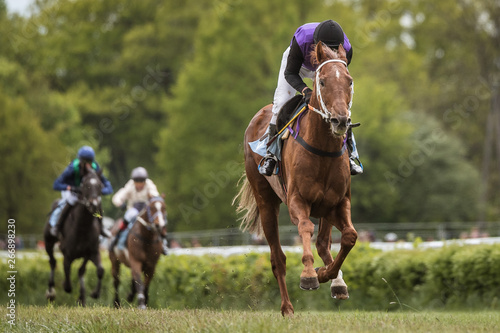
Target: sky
18,6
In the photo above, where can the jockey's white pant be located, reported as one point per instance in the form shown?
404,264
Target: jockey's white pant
284,91
67,197
130,215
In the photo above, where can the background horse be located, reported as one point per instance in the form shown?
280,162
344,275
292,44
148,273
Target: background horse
80,236
144,247
315,180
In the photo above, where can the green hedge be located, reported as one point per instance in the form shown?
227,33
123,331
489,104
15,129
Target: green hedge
453,277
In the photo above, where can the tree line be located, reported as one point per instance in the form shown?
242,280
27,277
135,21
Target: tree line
172,85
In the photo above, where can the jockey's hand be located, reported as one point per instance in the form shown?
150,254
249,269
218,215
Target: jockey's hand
307,93
123,207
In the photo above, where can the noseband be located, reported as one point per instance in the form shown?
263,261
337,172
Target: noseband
323,110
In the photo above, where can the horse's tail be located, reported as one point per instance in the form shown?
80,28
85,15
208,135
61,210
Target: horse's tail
246,203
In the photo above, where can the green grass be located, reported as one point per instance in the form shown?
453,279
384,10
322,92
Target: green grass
106,319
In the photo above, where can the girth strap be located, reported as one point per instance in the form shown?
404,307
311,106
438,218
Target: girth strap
318,151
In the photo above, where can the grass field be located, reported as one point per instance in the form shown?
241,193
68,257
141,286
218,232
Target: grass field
106,319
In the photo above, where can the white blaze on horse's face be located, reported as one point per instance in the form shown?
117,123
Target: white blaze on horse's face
161,219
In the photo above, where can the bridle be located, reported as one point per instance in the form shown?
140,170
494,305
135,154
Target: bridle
151,217
323,110
87,202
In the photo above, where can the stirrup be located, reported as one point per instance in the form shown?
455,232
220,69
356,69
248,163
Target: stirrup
355,169
267,165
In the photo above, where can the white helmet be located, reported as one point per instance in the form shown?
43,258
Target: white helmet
139,174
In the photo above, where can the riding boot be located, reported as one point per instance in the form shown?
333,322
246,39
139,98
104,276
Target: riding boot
114,241
104,232
270,160
54,231
353,154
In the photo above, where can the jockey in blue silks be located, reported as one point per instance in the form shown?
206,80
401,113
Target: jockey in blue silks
295,65
68,183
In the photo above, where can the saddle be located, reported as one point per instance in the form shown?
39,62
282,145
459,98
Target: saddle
288,110
286,113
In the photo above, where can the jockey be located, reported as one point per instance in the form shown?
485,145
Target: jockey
133,197
68,183
295,65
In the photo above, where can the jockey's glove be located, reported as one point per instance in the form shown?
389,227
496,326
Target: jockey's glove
307,93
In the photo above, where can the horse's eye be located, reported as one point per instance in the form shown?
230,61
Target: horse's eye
322,83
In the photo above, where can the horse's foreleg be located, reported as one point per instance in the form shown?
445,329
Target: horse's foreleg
299,214
136,268
67,278
348,239
81,273
115,272
51,292
148,276
323,245
100,273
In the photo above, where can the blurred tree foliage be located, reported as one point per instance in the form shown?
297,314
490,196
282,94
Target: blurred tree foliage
172,86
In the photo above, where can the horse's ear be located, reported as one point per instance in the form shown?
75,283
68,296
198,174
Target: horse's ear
162,195
342,53
321,52
99,172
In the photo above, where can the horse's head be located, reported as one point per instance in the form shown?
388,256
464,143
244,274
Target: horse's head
157,214
91,188
332,91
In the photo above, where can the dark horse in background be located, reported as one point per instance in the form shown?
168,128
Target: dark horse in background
314,180
143,249
79,237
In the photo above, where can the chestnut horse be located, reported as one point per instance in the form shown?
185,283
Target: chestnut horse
314,180
144,247
80,236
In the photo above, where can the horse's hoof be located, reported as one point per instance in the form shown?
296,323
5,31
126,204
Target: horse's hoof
117,304
51,295
142,307
309,283
67,288
95,295
340,292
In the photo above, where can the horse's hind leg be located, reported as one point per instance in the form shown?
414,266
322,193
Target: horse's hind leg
81,273
269,219
49,247
100,273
